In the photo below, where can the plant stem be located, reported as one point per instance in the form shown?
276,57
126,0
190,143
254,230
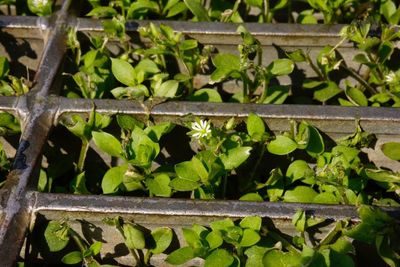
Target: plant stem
245,88
264,92
265,7
360,79
332,234
315,69
259,158
234,9
82,155
77,239
147,257
286,244
225,183
132,251
82,246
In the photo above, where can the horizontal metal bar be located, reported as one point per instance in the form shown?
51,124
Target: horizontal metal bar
180,207
330,119
24,22
278,29
226,33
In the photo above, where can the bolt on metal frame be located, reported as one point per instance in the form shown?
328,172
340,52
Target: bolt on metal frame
40,110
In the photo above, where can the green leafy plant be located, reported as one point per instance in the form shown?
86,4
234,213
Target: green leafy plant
10,85
9,125
250,241
58,234
136,240
40,7
375,81
252,73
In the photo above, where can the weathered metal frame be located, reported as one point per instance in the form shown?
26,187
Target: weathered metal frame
39,111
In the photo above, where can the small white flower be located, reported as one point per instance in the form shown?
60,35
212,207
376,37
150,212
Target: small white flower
391,77
200,129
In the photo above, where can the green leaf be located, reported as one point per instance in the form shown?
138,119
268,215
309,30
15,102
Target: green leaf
214,240
113,179
128,122
315,144
102,12
108,143
225,64
134,238
221,224
132,180
385,50
391,150
281,66
123,72
219,258
78,126
73,257
327,91
206,95
298,170
162,237
234,157
382,176
197,9
385,251
341,260
251,197
280,4
180,184
343,246
297,55
188,45
180,256
373,222
256,3
255,127
4,67
192,238
303,194
159,186
299,220
249,238
186,170
251,222
137,92
232,235
276,94
142,150
41,8
167,89
155,132
56,235
327,198
282,145
96,247
277,258
176,9
147,65
255,255
356,96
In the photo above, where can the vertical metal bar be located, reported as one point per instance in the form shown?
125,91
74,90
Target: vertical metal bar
39,118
